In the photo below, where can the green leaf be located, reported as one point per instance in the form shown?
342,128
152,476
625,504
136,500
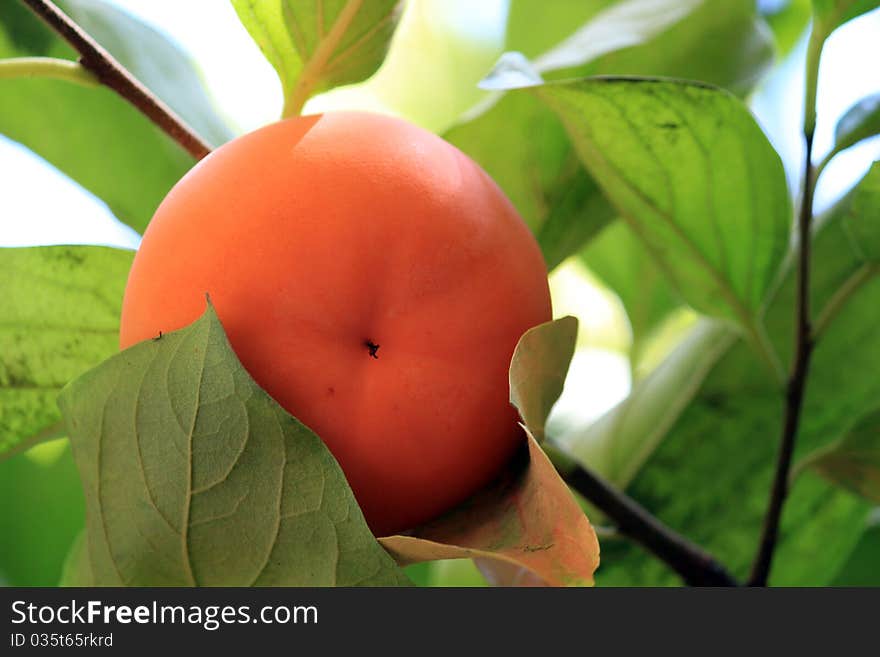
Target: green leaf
709,474
860,568
853,461
538,369
60,307
860,222
788,21
577,212
862,219
319,44
92,135
77,570
828,15
619,443
722,42
622,262
861,121
543,177
41,515
621,25
154,59
186,462
534,28
693,175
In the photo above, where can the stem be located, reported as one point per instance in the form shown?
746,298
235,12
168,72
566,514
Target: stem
46,67
110,73
696,567
803,349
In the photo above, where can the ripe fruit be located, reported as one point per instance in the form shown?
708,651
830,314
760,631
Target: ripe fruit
370,277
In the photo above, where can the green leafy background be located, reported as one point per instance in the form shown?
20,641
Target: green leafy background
695,440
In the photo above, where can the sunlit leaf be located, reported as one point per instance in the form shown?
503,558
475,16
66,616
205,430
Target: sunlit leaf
722,41
92,135
195,476
434,63
695,178
538,368
319,44
527,520
861,121
154,59
622,25
60,309
831,14
534,28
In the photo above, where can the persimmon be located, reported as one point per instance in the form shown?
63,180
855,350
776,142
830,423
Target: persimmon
373,280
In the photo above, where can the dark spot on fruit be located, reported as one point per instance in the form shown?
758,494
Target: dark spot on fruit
372,347
331,390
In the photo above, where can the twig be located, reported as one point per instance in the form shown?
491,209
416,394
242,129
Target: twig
696,566
46,67
803,349
111,74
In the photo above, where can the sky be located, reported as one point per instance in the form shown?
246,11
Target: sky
38,205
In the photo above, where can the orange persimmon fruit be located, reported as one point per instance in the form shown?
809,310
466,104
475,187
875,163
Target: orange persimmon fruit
373,280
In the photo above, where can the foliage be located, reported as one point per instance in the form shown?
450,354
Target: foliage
224,485
633,151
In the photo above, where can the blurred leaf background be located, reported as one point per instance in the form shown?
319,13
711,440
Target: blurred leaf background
80,167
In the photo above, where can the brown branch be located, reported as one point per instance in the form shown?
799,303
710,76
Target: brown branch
113,75
695,565
797,382
804,338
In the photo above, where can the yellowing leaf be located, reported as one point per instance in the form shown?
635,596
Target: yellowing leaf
538,369
527,520
853,462
526,528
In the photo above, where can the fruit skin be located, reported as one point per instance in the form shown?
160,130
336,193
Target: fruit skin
321,237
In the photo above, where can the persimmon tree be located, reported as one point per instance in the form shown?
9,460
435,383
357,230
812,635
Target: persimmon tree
748,455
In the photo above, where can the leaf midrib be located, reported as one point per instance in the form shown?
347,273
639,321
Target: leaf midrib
311,70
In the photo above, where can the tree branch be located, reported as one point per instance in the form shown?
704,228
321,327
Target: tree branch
696,567
797,380
111,74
